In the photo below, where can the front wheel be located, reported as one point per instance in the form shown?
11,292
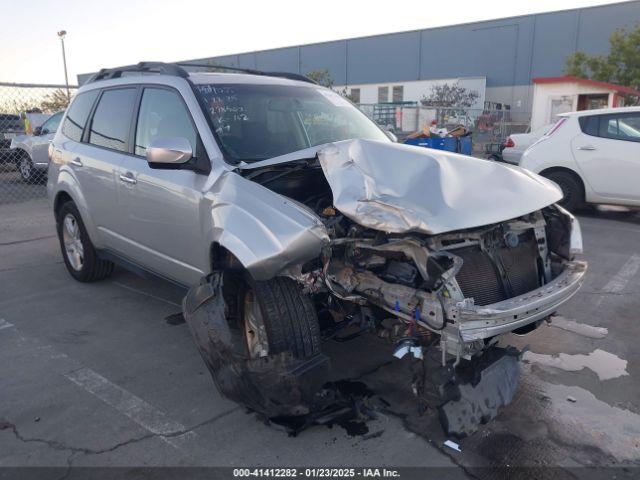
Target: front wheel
78,252
278,317
572,191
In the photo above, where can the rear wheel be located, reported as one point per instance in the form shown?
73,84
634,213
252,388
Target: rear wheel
28,172
572,191
278,317
78,252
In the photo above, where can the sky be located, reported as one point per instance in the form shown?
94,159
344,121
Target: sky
109,33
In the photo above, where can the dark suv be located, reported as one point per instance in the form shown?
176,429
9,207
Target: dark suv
10,127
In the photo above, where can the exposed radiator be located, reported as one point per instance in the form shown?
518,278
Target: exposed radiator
479,278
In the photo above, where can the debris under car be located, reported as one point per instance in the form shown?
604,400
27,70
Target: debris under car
439,253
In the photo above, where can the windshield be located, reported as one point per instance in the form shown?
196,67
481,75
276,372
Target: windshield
257,122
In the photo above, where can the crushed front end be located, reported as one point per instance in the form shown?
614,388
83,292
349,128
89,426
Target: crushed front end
455,294
442,256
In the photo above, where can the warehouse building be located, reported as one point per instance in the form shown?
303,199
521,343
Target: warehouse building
498,59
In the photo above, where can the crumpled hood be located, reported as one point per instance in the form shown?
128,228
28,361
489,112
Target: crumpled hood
400,188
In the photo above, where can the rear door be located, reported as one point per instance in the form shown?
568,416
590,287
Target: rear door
607,151
161,208
95,157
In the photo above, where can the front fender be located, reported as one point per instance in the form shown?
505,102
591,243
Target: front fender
267,232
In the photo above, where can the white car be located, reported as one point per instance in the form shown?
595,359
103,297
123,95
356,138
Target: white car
516,143
32,151
593,155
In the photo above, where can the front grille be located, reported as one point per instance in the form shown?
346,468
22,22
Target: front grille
480,279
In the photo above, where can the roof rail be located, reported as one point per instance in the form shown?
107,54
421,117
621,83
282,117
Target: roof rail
142,67
176,69
290,76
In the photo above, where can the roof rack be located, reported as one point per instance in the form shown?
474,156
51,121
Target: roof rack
289,75
142,67
176,69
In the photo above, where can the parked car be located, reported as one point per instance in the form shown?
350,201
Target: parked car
290,213
593,155
31,152
516,144
10,126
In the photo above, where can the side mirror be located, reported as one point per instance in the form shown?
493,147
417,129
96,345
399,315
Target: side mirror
169,152
37,131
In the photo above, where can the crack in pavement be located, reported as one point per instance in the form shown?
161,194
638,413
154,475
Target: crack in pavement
56,445
35,265
35,239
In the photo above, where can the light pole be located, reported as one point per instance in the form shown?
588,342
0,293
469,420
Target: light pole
62,34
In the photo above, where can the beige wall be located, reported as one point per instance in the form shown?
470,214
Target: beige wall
545,93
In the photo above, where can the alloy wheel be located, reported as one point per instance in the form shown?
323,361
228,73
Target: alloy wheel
254,327
72,242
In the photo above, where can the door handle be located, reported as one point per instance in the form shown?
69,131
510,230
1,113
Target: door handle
76,162
587,147
128,178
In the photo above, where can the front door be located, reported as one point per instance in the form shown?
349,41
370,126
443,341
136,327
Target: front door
163,228
608,153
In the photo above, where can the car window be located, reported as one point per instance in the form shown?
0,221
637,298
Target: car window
77,115
51,125
162,114
254,122
110,123
620,127
590,124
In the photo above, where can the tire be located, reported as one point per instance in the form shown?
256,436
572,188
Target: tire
27,171
572,190
78,252
289,318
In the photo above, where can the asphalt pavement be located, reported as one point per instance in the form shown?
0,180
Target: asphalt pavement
98,375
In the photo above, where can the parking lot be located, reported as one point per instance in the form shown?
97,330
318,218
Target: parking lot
100,375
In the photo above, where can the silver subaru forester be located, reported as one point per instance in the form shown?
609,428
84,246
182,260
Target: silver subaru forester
292,218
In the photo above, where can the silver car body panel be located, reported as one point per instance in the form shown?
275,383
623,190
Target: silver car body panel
36,146
401,188
267,232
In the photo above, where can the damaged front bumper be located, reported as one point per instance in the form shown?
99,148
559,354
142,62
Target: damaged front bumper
275,385
480,322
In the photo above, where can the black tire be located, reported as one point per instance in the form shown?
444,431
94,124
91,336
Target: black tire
92,268
289,317
572,190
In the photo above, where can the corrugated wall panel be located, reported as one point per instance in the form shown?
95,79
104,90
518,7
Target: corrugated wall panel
280,60
330,56
385,58
507,51
555,39
597,25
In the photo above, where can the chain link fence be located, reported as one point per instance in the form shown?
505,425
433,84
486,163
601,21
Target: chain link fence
488,127
28,121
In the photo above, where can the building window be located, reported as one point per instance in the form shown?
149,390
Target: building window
383,94
355,95
398,94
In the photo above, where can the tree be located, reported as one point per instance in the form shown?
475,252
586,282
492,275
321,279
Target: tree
450,95
55,101
621,65
321,77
